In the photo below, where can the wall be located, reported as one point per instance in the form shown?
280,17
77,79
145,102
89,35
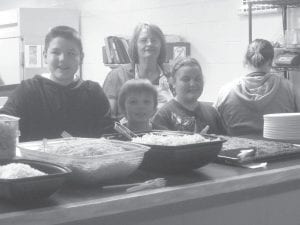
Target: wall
218,35
46,18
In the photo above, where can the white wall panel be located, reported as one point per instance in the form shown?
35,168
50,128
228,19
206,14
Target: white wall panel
218,35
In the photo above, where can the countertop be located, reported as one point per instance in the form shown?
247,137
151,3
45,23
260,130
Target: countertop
73,203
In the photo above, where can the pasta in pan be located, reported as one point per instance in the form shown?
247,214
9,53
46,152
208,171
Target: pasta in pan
84,147
170,140
91,160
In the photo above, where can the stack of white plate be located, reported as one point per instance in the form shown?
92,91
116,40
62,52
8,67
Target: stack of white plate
282,126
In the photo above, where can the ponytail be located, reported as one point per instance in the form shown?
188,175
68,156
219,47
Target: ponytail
259,52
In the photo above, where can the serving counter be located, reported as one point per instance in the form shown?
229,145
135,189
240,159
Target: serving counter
215,194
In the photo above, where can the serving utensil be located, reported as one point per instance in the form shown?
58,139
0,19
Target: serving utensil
65,134
255,165
124,131
133,187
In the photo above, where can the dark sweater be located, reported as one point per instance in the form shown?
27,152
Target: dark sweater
47,109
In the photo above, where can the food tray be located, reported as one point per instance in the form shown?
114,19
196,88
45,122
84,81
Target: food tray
33,188
264,150
96,169
181,158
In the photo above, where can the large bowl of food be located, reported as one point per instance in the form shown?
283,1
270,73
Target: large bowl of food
92,161
176,152
22,179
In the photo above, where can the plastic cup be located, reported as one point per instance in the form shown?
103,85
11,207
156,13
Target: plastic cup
9,136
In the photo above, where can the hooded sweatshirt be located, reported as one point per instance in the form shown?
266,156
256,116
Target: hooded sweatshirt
243,103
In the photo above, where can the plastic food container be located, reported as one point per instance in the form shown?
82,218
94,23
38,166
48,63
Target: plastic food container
86,170
9,135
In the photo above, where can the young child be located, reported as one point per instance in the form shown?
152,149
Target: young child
138,102
185,112
60,101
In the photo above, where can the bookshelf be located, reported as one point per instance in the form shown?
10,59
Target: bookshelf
112,66
115,51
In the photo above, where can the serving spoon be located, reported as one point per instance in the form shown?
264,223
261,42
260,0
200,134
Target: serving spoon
149,184
124,131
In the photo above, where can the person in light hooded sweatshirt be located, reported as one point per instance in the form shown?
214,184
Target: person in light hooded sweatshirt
243,103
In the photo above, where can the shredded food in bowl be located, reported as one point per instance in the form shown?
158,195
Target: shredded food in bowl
84,148
171,140
18,170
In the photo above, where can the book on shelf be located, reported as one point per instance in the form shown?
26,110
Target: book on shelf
116,58
107,50
116,49
104,56
122,51
125,44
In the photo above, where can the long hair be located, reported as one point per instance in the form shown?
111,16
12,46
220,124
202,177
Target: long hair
155,30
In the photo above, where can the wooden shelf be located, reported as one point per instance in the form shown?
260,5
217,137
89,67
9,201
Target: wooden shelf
286,68
288,48
113,66
278,3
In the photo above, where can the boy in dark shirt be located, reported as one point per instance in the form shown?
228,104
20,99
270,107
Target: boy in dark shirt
60,101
